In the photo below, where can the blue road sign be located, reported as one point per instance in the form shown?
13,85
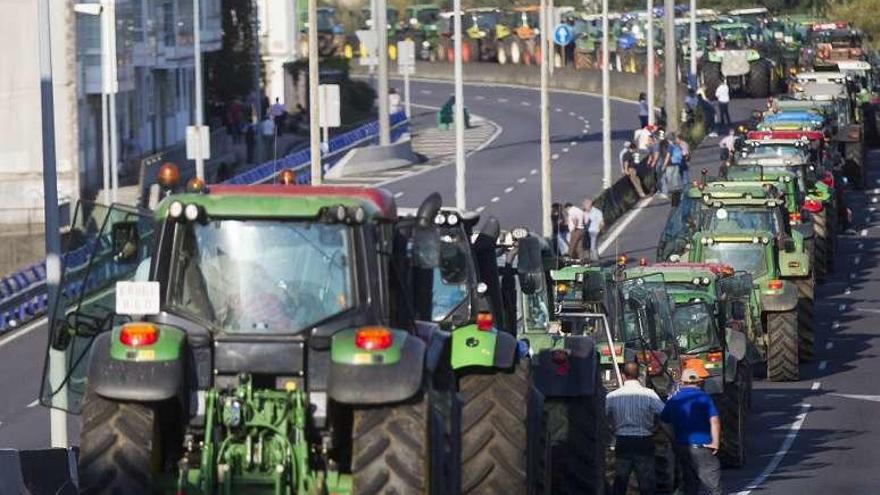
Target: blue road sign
563,35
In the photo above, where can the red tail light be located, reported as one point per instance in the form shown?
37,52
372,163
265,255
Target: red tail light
373,338
828,179
484,321
138,334
794,218
774,284
654,361
559,357
812,206
605,350
714,357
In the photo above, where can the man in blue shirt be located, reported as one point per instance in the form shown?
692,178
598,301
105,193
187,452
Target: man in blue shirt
697,426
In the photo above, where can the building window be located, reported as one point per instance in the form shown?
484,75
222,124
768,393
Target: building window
168,27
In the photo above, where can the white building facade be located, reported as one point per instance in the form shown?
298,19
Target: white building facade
278,31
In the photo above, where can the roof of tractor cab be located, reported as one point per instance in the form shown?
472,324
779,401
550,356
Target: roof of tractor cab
724,26
737,235
283,201
773,137
570,272
681,272
774,161
733,190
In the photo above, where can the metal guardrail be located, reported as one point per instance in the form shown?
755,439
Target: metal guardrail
23,295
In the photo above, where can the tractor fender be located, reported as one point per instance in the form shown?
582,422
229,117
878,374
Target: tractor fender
730,364
474,347
133,377
785,301
576,377
377,377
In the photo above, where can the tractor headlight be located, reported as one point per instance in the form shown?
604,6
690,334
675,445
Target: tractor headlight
696,281
192,212
705,280
175,210
440,219
452,219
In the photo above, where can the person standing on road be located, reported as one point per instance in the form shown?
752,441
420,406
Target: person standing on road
278,113
672,176
728,145
697,426
644,110
632,411
576,221
267,132
594,221
661,163
722,94
684,168
628,167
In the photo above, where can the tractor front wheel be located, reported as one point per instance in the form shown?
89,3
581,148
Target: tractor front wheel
782,347
732,408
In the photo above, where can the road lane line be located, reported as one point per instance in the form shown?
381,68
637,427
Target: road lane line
425,91
495,199
479,97
835,325
480,209
619,226
573,143
816,385
398,194
829,346
565,150
533,171
34,403
554,156
508,190
783,449
15,334
521,180
822,366
525,103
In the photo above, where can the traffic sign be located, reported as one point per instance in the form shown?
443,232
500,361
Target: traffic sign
369,44
563,35
329,109
198,142
406,57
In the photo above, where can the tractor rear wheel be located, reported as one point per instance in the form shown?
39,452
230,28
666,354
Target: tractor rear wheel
782,347
494,431
759,79
578,439
395,448
711,73
120,446
732,409
806,332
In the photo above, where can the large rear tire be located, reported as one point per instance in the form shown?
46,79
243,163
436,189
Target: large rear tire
711,78
578,439
392,447
806,331
759,79
494,431
120,447
782,347
731,406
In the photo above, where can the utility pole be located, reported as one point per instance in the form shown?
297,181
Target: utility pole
460,193
99,10
693,41
197,63
57,359
381,24
110,14
546,174
670,54
549,19
314,81
651,62
606,100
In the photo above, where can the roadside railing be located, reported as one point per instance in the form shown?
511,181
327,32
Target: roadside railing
23,296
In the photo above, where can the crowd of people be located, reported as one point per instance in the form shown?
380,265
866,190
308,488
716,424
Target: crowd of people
690,419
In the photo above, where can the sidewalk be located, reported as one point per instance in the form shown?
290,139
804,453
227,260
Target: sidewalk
435,146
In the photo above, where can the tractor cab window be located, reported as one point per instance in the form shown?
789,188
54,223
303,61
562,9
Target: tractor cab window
428,16
742,256
743,218
695,329
452,276
261,276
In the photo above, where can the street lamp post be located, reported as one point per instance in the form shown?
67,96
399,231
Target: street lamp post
546,175
314,81
651,62
109,25
380,23
693,41
670,67
606,103
199,103
460,200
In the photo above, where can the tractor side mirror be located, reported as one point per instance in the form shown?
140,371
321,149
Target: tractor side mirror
126,241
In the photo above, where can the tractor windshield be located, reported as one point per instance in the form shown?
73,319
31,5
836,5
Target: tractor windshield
428,16
775,151
485,20
451,277
746,257
326,20
743,218
261,276
694,327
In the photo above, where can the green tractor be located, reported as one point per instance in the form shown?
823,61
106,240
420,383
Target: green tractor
486,34
733,56
563,360
392,26
776,266
712,341
331,35
421,25
783,44
268,345
503,438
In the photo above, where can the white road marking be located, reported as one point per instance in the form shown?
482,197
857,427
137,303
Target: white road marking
868,310
871,398
533,171
817,385
558,109
480,209
841,307
573,143
34,403
508,190
822,366
502,100
398,194
829,346
857,259
425,91
619,226
835,325
864,232
495,199
861,245
22,331
479,97
572,114
585,131
521,180
847,291
565,150
783,449
525,103
554,156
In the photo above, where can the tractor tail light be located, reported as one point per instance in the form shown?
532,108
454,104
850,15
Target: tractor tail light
828,179
373,338
812,206
714,357
559,357
138,334
794,218
774,284
484,321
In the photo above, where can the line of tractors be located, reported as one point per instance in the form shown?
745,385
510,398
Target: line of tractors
286,339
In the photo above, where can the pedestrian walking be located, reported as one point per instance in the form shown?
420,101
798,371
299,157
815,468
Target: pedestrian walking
267,133
697,427
672,174
684,168
628,167
633,411
644,110
278,114
722,94
728,145
594,222
708,114
560,223
576,221
661,163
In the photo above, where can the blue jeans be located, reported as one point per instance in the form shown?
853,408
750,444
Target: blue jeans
671,179
685,178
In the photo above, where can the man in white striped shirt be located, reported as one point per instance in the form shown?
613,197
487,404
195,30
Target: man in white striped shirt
633,411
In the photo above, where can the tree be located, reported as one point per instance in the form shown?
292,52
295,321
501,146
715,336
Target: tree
862,13
230,70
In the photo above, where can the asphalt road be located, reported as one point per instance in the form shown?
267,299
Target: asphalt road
817,435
